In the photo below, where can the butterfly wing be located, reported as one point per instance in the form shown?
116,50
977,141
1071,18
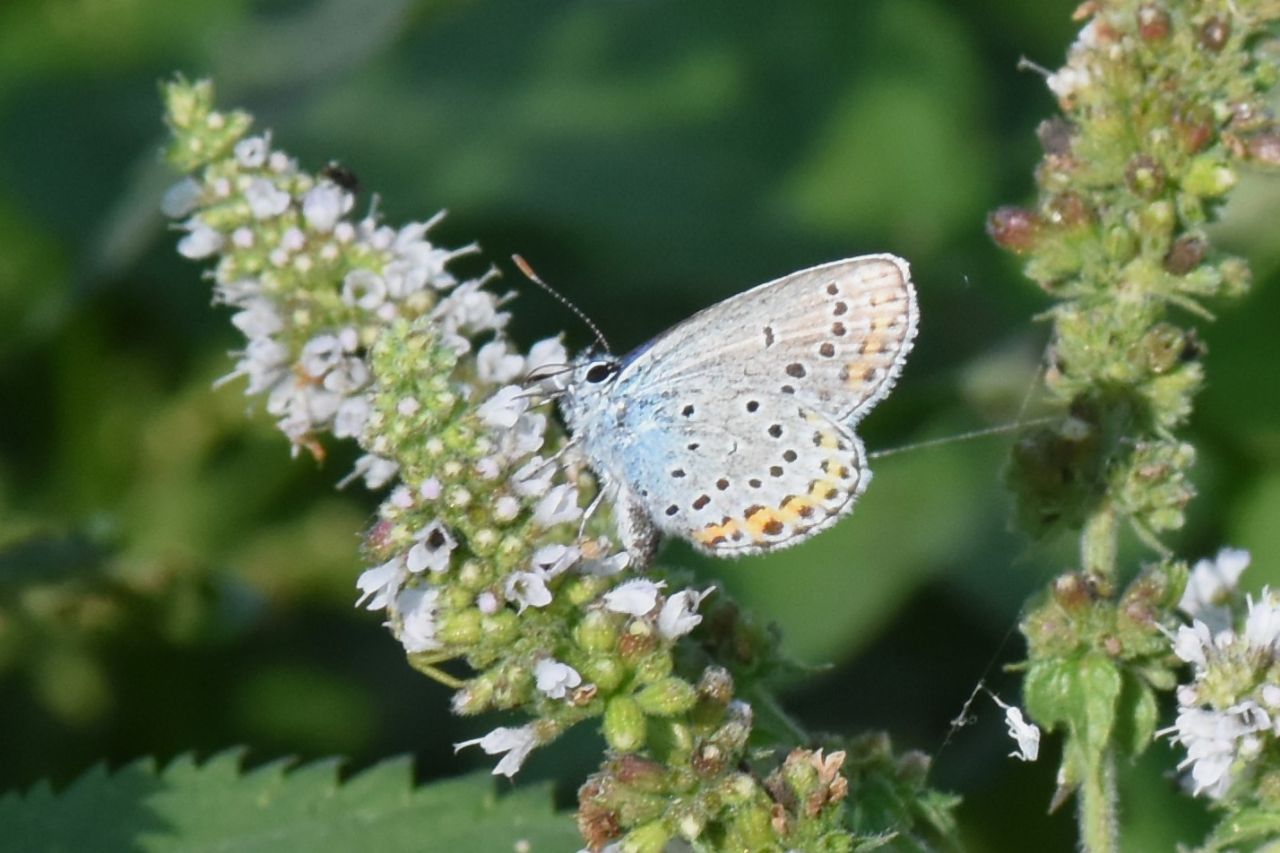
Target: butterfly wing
784,473
738,428
834,336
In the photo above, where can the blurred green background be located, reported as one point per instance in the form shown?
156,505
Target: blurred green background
170,580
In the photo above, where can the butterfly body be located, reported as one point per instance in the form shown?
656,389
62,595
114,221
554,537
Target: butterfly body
735,428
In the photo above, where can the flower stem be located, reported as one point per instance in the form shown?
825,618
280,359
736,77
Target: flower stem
1098,807
770,715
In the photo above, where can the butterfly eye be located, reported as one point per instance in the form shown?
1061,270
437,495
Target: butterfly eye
600,372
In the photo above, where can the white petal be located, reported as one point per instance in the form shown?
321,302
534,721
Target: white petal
679,614
635,597
555,678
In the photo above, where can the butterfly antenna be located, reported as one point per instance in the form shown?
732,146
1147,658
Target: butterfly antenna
524,267
964,436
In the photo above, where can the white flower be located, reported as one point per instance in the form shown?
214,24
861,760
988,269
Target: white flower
527,436
320,354
432,549
258,319
347,376
504,407
1215,740
266,199
417,608
554,678
548,353
324,204
201,241
263,362
679,614
551,560
251,152
364,288
181,199
375,470
635,597
533,478
469,311
487,603
516,743
352,415
558,506
1192,642
528,589
1262,624
497,365
380,584
1210,585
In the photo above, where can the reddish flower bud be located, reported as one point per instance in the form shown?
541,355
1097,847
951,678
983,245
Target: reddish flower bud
1055,136
1194,126
1153,23
1014,228
1144,176
1265,148
1068,210
1214,33
1186,254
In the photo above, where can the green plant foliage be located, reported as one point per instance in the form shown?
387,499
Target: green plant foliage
219,805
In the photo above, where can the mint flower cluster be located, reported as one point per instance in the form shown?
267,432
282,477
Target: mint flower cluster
357,329
1229,713
1164,104
485,559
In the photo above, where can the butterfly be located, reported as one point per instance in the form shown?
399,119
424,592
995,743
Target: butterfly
734,429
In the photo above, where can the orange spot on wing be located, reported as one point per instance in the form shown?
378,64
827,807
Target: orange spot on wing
715,534
795,508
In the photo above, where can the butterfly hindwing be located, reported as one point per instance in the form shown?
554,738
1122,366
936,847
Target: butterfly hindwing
782,473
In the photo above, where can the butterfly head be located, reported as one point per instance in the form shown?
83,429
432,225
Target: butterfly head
588,387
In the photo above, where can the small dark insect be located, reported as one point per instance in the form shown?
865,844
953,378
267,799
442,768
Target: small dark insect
342,176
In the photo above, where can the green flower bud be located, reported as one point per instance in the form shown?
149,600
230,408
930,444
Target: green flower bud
606,671
1209,177
654,668
501,628
624,724
597,632
461,628
668,697
1120,243
650,838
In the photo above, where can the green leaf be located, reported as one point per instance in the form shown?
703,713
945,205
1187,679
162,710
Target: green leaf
219,806
1245,827
1046,691
1081,692
1097,687
1136,716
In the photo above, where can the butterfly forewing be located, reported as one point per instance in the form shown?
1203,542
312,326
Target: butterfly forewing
834,336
